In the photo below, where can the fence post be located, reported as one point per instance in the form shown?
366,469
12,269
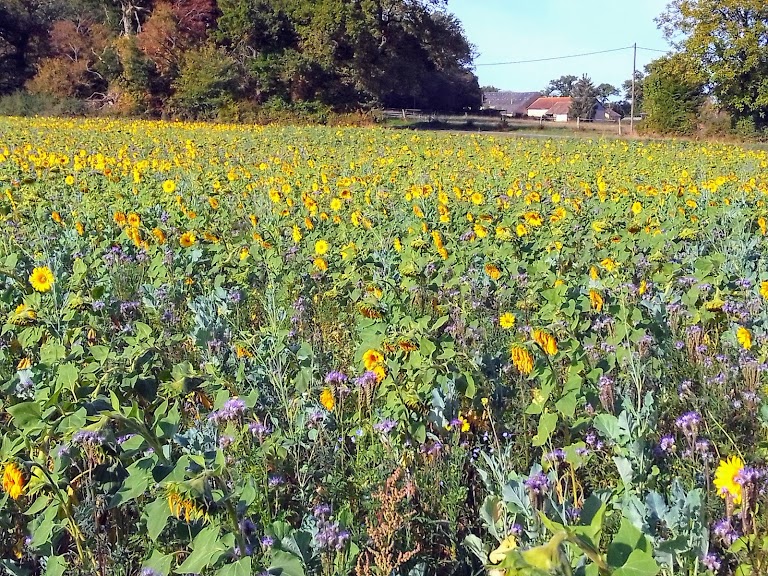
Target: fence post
577,122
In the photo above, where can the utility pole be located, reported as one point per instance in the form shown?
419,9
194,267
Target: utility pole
632,107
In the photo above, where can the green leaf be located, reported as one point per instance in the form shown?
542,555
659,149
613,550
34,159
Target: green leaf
206,549
67,376
159,562
137,482
55,566
639,563
285,564
240,568
156,515
547,425
624,543
25,413
43,529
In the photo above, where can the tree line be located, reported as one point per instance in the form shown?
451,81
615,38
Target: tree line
195,58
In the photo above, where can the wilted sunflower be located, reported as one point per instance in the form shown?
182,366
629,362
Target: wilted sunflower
546,341
522,359
596,300
492,271
41,279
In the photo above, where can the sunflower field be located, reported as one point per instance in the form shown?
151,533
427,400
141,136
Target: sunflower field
231,350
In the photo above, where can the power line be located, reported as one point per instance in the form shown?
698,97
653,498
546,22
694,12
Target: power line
555,57
566,56
652,50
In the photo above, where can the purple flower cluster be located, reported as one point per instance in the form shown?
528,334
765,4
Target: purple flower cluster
233,410
88,438
335,378
385,426
330,536
538,483
725,531
688,423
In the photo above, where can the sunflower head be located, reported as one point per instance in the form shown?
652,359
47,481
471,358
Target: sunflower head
726,478
187,239
327,399
41,279
14,480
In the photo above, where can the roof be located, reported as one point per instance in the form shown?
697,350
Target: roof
560,108
547,103
510,102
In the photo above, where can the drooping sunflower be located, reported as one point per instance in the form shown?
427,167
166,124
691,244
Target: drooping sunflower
14,480
725,478
546,341
596,300
41,279
522,359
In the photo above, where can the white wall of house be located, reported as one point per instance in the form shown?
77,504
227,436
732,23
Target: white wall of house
537,113
561,117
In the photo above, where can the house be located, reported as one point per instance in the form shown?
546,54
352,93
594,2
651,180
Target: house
551,108
603,114
514,104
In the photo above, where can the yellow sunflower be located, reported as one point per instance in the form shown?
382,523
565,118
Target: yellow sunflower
169,186
327,399
321,247
546,341
41,279
372,358
507,320
744,336
725,478
187,239
522,359
14,480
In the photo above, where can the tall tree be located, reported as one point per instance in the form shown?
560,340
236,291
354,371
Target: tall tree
606,91
584,96
562,86
674,93
730,39
638,94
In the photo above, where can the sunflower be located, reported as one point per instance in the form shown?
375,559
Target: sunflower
119,218
187,239
507,320
725,478
80,228
56,217
134,220
546,341
320,264
41,279
169,186
596,300
764,289
744,337
184,507
522,359
159,235
492,271
321,247
327,399
372,358
14,480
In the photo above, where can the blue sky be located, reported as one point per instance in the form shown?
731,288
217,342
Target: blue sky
504,30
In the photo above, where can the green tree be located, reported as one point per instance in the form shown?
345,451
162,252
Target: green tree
730,39
674,93
584,96
562,86
606,91
206,82
639,86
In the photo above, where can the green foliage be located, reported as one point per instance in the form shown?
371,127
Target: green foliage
584,96
728,38
673,95
206,82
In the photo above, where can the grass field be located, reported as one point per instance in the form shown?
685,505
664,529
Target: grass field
232,350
